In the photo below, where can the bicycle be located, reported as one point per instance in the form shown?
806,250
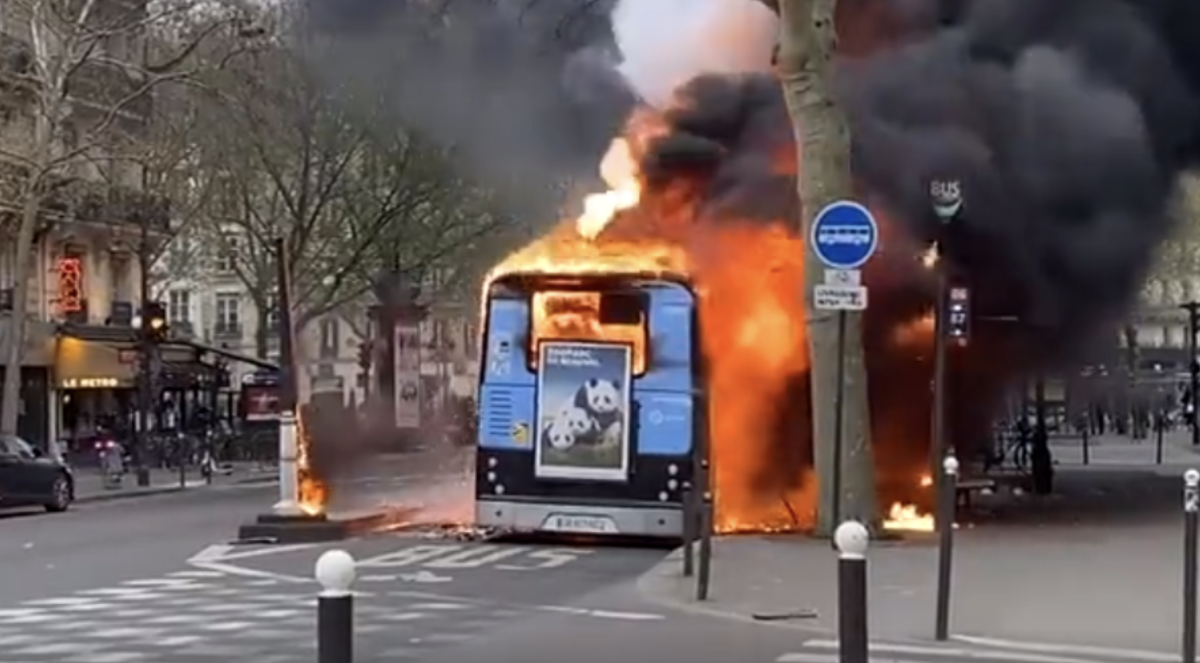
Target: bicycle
1012,443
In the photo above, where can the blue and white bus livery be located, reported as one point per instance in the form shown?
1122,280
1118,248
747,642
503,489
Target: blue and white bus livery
590,406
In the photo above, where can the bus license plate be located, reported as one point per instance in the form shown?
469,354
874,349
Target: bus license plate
557,522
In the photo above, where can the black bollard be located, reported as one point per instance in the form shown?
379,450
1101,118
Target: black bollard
704,563
182,454
1159,425
689,530
1087,446
945,522
1191,513
335,607
852,540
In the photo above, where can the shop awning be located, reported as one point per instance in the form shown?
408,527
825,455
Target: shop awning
80,364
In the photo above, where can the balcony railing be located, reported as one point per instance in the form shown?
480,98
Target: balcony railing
109,88
182,329
73,198
227,331
97,84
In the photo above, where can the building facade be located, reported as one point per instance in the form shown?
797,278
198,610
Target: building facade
95,222
208,301
1162,322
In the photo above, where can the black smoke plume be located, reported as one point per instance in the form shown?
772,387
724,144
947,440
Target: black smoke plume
1067,123
525,91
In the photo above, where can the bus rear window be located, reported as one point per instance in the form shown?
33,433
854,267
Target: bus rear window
566,315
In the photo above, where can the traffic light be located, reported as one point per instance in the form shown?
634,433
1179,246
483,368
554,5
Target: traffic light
958,327
154,322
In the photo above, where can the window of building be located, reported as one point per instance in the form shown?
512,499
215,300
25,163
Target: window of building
329,337
179,306
229,312
272,317
227,253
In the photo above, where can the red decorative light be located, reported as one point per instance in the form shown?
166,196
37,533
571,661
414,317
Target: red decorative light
70,285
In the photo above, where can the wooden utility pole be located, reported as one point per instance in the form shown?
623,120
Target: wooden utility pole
807,44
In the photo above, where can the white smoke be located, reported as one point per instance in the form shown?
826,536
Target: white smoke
666,43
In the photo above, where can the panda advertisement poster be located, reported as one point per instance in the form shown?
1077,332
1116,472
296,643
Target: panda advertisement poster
583,407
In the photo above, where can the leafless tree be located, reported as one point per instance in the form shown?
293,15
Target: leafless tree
351,193
83,81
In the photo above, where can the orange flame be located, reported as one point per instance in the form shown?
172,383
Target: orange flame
747,277
619,170
314,494
903,517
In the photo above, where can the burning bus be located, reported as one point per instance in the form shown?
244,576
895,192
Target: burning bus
591,406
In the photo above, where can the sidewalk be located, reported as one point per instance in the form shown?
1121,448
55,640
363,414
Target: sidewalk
89,483
1110,451
1068,570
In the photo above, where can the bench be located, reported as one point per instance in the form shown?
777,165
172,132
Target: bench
967,487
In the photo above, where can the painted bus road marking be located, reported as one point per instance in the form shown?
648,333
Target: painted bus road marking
548,559
460,557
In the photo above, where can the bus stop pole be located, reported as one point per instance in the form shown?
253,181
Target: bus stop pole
839,407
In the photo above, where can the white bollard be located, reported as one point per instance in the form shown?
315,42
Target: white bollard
289,478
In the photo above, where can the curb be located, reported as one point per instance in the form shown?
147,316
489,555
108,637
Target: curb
116,495
151,491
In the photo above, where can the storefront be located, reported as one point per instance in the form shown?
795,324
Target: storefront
96,380
34,419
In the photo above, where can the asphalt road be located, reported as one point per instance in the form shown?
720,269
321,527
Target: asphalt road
101,544
155,579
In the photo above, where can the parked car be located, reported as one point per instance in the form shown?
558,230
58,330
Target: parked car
28,477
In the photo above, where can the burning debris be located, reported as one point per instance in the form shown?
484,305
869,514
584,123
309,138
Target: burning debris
314,491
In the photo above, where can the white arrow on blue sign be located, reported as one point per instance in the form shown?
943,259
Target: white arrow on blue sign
845,235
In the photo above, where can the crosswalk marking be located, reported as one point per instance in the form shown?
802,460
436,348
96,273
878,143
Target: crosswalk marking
921,652
978,650
1070,650
921,655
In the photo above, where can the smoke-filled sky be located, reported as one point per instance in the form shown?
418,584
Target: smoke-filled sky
1067,121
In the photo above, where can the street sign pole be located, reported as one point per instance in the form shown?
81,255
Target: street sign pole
844,237
839,421
938,448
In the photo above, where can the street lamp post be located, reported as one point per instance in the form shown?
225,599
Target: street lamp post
146,378
289,478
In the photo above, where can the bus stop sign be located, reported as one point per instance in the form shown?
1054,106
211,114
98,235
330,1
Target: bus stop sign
844,235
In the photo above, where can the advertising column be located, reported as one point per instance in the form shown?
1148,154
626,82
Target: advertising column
407,393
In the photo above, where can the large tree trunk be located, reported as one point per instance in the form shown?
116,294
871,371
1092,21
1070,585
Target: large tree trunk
805,62
10,393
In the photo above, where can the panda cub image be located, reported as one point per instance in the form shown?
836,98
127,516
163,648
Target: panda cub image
570,426
601,400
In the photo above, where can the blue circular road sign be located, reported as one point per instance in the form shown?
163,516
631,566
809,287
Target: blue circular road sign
844,235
